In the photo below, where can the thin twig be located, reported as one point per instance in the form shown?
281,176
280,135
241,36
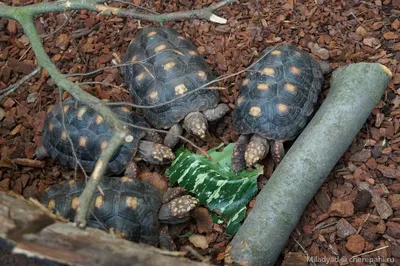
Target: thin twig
103,83
10,89
62,25
368,252
259,13
304,250
132,4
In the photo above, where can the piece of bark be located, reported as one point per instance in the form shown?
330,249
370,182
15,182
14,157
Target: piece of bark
355,91
28,228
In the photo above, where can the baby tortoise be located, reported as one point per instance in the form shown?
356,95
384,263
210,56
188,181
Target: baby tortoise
275,102
130,208
167,66
90,134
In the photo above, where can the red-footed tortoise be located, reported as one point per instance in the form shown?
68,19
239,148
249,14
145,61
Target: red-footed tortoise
166,66
275,102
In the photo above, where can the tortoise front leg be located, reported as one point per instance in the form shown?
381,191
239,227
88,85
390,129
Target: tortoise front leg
238,161
277,151
155,153
217,112
195,123
256,150
177,210
171,139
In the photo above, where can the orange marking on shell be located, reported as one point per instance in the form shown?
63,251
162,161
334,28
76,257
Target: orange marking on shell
255,111
290,87
297,53
82,141
180,89
99,201
192,52
181,37
50,109
239,100
153,95
99,119
295,70
169,65
51,204
283,108
268,71
133,59
263,86
51,127
75,203
81,112
63,135
71,182
125,179
202,75
131,202
125,109
276,52
65,108
141,76
245,82
151,33
160,48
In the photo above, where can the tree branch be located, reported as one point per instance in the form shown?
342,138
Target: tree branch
96,6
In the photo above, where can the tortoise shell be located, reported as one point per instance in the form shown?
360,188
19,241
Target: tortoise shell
89,134
127,206
279,94
166,66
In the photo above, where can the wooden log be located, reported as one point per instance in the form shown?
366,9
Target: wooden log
355,91
30,229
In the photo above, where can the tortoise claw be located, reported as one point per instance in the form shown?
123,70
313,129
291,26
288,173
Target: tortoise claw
177,210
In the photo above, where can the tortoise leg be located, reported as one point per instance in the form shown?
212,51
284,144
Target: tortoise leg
173,193
132,170
165,239
195,123
41,153
155,153
217,112
153,136
256,150
238,162
277,151
172,139
177,210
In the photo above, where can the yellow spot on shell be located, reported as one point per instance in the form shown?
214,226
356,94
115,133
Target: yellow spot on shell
99,201
63,135
169,65
276,52
50,109
255,111
295,70
268,71
133,59
151,33
141,76
65,108
131,202
282,108
75,203
99,119
239,100
153,95
160,48
103,145
263,86
297,53
71,182
131,41
180,89
125,179
129,138
192,52
181,37
82,141
245,82
51,204
290,87
51,127
81,112
125,109
202,75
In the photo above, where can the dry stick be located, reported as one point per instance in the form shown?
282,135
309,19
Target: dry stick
10,89
96,6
